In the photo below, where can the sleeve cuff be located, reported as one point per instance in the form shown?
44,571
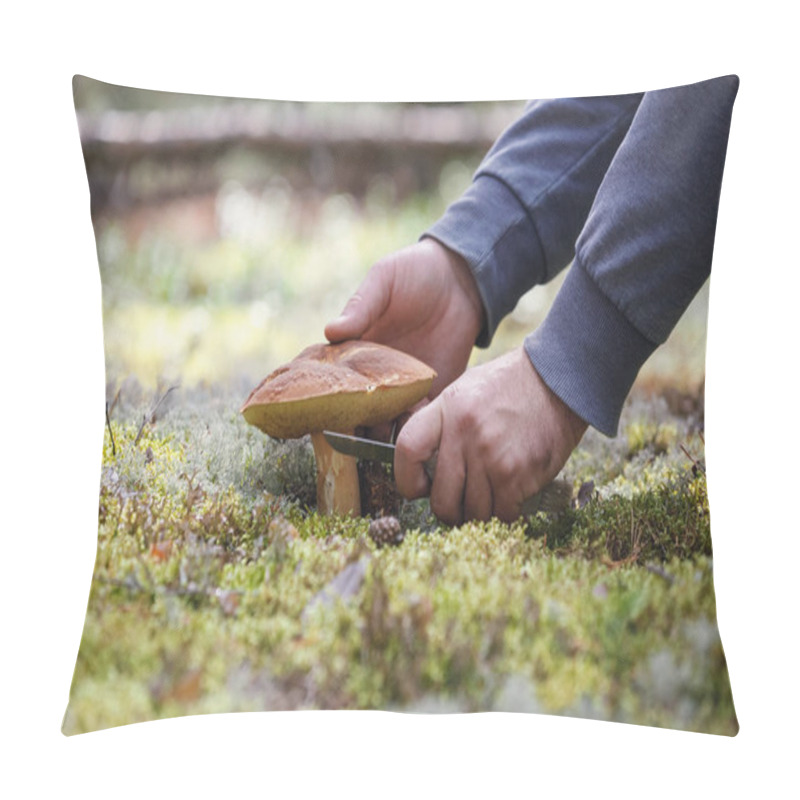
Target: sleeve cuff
493,232
588,352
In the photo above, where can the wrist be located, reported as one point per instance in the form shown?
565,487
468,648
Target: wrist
572,425
465,283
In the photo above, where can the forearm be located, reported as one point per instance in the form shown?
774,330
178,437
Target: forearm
517,224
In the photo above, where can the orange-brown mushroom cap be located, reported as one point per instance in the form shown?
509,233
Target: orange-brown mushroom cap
337,387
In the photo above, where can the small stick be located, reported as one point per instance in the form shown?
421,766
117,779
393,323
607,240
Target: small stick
114,402
694,461
110,432
152,414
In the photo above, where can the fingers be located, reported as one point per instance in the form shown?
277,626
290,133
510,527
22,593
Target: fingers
417,443
513,475
491,457
499,435
456,493
508,499
363,309
449,482
479,500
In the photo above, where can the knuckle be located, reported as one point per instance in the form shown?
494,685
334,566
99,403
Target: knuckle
469,422
404,448
461,410
506,471
408,449
540,460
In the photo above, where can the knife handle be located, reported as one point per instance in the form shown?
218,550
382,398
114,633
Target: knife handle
551,499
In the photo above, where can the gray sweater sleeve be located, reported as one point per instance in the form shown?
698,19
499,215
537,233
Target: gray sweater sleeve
517,223
636,182
643,253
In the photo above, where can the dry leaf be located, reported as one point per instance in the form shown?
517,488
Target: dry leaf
161,551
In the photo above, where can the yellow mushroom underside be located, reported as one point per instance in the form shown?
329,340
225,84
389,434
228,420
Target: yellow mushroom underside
337,388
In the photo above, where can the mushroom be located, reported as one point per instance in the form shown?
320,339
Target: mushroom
337,387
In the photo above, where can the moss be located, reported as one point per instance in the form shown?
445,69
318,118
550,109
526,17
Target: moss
658,438
206,570
452,615
670,520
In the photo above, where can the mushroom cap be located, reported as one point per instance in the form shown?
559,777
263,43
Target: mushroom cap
337,387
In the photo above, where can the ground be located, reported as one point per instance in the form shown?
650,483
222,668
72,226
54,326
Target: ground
214,587
217,587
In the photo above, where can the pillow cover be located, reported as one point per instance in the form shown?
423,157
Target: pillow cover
228,233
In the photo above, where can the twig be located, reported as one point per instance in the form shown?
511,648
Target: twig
110,432
152,414
697,464
114,402
623,562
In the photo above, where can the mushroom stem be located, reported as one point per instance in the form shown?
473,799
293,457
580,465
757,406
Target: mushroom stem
337,480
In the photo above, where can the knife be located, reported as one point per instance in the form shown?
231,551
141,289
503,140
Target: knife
553,498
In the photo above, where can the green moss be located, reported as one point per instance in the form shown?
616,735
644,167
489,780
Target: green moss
660,523
658,438
206,570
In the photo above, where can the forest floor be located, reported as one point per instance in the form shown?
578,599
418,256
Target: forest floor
217,587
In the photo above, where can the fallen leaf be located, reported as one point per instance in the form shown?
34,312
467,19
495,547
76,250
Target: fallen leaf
228,600
188,687
160,551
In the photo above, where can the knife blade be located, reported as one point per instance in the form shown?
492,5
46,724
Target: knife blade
553,498
368,449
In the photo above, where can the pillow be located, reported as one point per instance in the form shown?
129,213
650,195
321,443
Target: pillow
228,233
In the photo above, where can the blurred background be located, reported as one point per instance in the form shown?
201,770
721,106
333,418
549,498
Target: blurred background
229,231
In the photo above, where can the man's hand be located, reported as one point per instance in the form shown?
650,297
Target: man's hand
501,435
422,300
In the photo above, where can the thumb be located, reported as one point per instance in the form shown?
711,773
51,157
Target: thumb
417,443
362,310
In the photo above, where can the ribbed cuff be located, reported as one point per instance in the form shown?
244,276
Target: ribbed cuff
588,352
492,231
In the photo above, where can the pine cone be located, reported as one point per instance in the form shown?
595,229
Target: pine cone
386,531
